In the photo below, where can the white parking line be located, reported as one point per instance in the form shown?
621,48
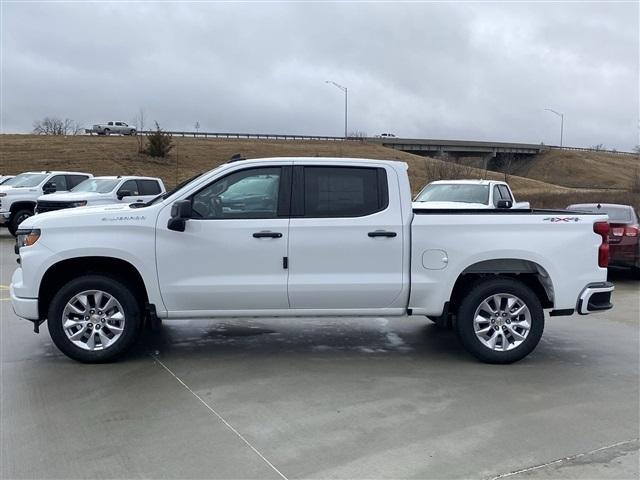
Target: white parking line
157,360
563,460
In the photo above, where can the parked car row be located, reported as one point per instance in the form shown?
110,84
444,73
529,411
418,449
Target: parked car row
29,193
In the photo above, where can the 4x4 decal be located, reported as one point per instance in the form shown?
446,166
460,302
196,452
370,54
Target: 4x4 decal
561,219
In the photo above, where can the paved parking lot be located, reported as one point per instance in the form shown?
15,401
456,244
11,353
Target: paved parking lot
323,398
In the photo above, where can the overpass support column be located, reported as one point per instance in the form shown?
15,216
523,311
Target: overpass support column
487,158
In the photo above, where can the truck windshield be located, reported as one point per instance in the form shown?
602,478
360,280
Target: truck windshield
454,192
162,196
96,185
26,180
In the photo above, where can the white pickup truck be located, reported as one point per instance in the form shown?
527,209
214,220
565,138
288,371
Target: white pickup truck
19,195
306,237
103,191
482,194
110,128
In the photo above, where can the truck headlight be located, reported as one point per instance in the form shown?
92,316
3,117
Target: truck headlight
26,238
78,204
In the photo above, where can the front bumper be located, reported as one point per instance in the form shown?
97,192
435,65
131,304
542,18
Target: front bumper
23,307
595,297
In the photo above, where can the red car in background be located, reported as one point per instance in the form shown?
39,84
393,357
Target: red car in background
624,232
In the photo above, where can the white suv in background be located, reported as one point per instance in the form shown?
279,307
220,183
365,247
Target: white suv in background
19,195
103,191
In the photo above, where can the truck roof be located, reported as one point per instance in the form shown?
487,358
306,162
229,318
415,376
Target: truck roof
469,182
126,177
392,163
59,172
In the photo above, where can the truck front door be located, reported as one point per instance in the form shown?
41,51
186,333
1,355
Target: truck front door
232,253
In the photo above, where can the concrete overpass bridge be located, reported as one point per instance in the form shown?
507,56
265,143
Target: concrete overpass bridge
460,148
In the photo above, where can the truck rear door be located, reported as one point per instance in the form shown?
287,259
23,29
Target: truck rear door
345,237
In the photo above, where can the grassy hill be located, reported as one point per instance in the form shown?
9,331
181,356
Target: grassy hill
115,155
583,169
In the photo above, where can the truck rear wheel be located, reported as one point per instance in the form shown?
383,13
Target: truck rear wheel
500,320
94,318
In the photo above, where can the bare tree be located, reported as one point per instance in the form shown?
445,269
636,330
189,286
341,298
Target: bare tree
139,123
55,126
357,134
197,126
597,147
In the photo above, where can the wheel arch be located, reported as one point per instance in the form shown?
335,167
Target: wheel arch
23,204
530,273
63,271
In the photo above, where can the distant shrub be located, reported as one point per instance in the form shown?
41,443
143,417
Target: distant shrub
159,143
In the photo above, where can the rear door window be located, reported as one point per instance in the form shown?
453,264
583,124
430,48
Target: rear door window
148,187
73,180
343,191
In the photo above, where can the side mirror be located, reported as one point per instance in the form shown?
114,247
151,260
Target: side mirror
504,204
180,213
49,188
123,193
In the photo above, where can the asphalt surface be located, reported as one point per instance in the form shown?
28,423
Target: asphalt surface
323,398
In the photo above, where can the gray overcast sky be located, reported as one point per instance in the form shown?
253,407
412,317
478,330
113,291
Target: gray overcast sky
482,71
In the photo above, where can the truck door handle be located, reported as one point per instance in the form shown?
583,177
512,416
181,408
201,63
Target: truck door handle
267,235
382,233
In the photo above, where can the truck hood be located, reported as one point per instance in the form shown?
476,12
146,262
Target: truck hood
449,205
88,214
71,196
9,190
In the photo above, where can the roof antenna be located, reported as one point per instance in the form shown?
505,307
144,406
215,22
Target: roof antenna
236,158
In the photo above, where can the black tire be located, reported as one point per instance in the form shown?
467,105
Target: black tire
480,291
17,218
118,290
132,132
107,132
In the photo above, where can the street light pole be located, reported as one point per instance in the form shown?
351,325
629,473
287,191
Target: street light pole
345,90
561,115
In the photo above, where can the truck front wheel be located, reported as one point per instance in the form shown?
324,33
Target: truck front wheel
94,318
500,320
17,218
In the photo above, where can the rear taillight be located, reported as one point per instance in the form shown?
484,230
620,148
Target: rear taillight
602,229
631,231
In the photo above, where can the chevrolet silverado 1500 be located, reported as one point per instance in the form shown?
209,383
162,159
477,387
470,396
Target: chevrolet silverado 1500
306,237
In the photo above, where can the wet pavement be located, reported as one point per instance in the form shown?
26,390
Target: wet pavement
323,398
